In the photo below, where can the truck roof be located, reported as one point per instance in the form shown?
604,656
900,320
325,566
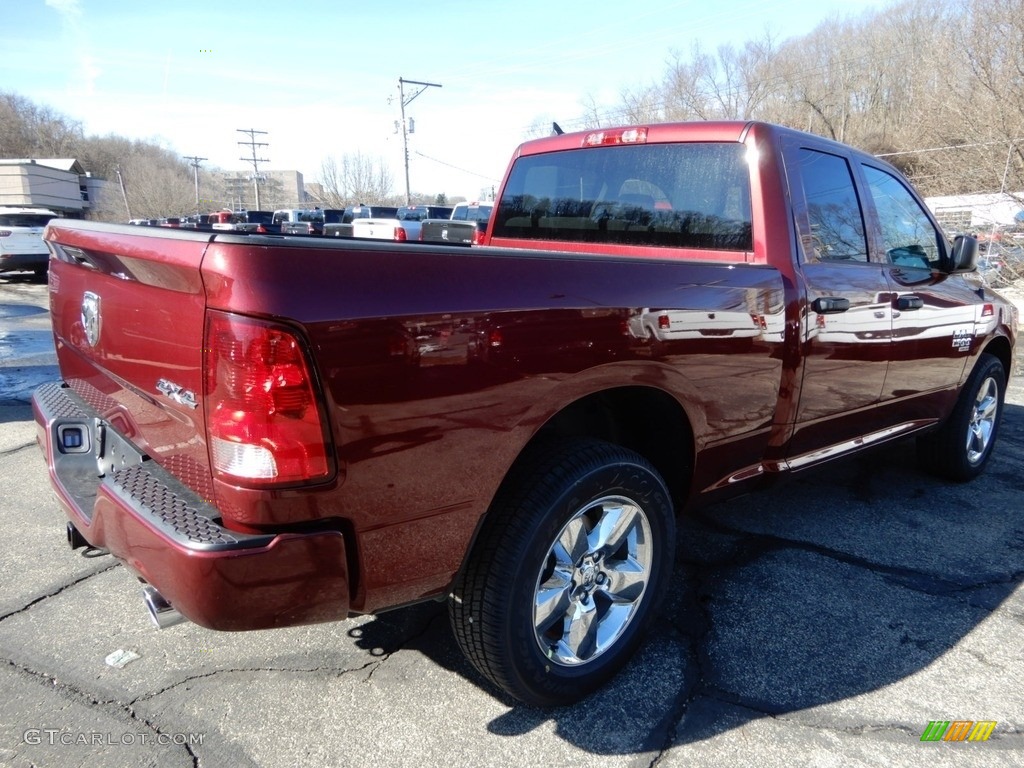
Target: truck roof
697,130
671,133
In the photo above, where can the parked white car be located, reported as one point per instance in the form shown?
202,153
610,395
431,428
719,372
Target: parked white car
21,239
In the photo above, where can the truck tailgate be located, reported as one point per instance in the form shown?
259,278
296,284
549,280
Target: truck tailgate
128,329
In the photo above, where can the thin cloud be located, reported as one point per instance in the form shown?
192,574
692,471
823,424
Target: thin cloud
71,8
84,82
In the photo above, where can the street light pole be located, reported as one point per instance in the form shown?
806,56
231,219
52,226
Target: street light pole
405,131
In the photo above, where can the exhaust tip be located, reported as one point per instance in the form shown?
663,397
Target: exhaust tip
161,612
75,539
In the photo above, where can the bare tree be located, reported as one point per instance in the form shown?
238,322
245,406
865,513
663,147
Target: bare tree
31,130
989,96
643,105
154,188
937,86
356,178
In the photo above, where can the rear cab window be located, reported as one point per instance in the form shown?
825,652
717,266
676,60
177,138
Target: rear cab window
472,212
677,195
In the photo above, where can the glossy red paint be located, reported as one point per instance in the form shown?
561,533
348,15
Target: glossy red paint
437,366
292,579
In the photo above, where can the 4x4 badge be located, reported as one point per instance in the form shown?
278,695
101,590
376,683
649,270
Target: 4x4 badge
91,317
177,393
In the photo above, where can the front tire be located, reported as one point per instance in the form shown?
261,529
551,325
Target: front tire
960,449
567,574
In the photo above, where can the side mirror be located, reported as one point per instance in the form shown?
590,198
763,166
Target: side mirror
964,257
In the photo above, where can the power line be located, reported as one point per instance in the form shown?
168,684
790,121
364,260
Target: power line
952,146
457,168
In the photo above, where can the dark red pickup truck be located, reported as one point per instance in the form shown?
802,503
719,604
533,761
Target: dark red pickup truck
273,430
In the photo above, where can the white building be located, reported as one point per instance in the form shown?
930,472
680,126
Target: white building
59,184
980,213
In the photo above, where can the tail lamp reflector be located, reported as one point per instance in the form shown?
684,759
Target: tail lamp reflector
262,416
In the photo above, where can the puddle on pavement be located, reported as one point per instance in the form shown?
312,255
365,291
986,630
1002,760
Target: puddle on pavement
26,346
8,311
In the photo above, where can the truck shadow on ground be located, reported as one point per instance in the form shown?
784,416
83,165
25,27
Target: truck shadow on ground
843,581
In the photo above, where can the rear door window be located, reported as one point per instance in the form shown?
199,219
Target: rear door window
833,209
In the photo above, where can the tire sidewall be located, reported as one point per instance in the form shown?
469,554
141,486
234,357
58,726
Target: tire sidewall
988,369
642,486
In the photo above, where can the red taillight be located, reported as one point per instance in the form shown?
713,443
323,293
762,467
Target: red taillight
988,310
262,416
664,323
478,236
495,338
398,346
401,234
260,229
618,136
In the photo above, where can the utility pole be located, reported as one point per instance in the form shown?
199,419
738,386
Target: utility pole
252,144
195,169
124,195
405,129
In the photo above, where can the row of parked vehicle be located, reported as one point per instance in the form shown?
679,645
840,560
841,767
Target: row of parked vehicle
287,221
463,223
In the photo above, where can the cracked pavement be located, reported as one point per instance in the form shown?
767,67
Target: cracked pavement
823,622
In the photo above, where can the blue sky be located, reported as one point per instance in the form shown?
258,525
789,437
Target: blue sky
321,77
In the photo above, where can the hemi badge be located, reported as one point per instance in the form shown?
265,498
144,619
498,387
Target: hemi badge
178,394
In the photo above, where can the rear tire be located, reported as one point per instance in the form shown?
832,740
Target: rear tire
960,449
568,572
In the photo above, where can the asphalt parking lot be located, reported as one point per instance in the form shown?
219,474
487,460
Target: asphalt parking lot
826,622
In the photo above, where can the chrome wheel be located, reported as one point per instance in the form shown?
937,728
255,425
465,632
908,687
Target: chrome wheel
568,571
984,414
592,580
962,446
